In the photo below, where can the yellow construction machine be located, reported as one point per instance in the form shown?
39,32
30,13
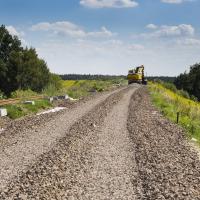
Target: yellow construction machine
137,75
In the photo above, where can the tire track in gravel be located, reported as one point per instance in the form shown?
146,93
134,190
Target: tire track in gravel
20,150
66,171
167,168
111,171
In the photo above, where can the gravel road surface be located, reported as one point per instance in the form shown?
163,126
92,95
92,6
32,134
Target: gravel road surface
24,140
167,167
114,146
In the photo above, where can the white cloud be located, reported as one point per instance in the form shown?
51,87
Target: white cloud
104,32
12,30
135,47
91,56
176,1
189,42
109,3
116,57
181,30
113,55
70,29
151,26
20,34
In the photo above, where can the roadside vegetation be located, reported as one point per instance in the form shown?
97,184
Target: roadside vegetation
74,88
21,68
171,101
24,75
190,81
19,110
80,88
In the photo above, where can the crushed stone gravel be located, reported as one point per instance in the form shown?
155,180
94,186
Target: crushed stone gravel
122,148
167,167
56,171
24,140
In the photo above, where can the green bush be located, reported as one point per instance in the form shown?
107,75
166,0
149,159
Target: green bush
193,98
56,81
50,90
1,95
23,94
169,86
183,94
15,111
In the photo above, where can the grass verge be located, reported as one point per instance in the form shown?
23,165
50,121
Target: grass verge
170,103
75,89
20,110
82,88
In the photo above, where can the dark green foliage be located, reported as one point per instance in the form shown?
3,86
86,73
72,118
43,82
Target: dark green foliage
8,44
169,79
111,77
20,68
190,82
169,86
56,81
90,77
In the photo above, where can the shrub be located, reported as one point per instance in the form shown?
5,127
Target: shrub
56,81
23,94
1,95
51,90
15,111
183,93
169,86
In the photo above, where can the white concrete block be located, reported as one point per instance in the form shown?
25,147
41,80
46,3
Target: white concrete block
3,112
50,99
30,102
63,97
66,96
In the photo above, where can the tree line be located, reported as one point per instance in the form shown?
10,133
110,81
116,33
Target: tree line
190,81
90,77
169,79
110,77
21,68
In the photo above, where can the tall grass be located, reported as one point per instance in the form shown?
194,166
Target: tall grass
81,88
171,102
23,94
75,89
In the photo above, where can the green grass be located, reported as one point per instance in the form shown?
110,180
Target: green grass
20,110
75,89
82,88
169,103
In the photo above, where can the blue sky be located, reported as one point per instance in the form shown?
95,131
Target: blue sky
108,36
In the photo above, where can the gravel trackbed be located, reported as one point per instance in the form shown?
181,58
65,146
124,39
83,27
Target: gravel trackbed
115,146
167,167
